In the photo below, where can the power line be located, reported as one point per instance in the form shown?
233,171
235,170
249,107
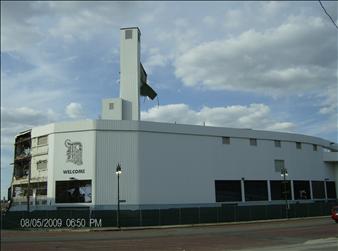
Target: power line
327,14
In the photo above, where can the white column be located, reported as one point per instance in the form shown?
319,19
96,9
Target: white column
130,72
292,193
269,191
243,190
311,192
34,196
325,190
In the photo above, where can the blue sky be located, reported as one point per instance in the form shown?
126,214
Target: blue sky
260,65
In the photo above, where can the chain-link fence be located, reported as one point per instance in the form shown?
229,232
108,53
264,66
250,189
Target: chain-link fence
159,217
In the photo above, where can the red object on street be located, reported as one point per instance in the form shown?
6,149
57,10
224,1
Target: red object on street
334,214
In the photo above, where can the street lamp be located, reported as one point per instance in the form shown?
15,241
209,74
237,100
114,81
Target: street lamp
118,172
284,173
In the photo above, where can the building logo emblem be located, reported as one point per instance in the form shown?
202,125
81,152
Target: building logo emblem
74,152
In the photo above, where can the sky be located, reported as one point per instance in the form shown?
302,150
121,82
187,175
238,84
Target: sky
260,65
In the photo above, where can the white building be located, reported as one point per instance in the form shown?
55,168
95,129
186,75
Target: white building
164,165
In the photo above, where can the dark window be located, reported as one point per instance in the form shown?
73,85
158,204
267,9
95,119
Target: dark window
111,106
279,189
228,190
73,191
298,145
253,142
315,148
279,165
301,189
226,140
278,143
331,190
318,190
128,34
255,190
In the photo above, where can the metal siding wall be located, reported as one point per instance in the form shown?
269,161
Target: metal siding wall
113,147
181,169
176,169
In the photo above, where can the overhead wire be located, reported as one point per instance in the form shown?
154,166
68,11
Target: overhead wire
327,14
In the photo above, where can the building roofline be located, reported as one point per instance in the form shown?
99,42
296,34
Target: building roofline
129,28
172,128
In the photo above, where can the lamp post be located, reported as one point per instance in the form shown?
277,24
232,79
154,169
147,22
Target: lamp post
118,172
284,173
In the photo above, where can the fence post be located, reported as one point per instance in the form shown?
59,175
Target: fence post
159,216
179,216
199,214
140,217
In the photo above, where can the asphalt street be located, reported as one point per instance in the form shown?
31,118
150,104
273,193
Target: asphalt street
301,234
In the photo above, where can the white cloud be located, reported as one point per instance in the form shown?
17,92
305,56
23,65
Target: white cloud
25,116
256,116
18,31
155,59
82,26
74,110
273,7
40,85
291,58
329,104
15,120
233,18
209,20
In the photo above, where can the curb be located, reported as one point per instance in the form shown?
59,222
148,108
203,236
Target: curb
177,226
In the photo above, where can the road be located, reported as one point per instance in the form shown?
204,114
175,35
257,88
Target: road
301,234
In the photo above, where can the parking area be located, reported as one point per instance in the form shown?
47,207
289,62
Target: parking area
296,234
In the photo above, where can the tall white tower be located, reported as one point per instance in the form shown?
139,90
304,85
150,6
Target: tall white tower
130,72
133,80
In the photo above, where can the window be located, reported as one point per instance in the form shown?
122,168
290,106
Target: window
128,34
331,190
18,191
21,169
279,165
256,190
43,140
315,148
41,165
279,189
278,143
40,188
228,190
226,140
327,150
73,191
253,142
301,190
298,145
111,106
318,190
